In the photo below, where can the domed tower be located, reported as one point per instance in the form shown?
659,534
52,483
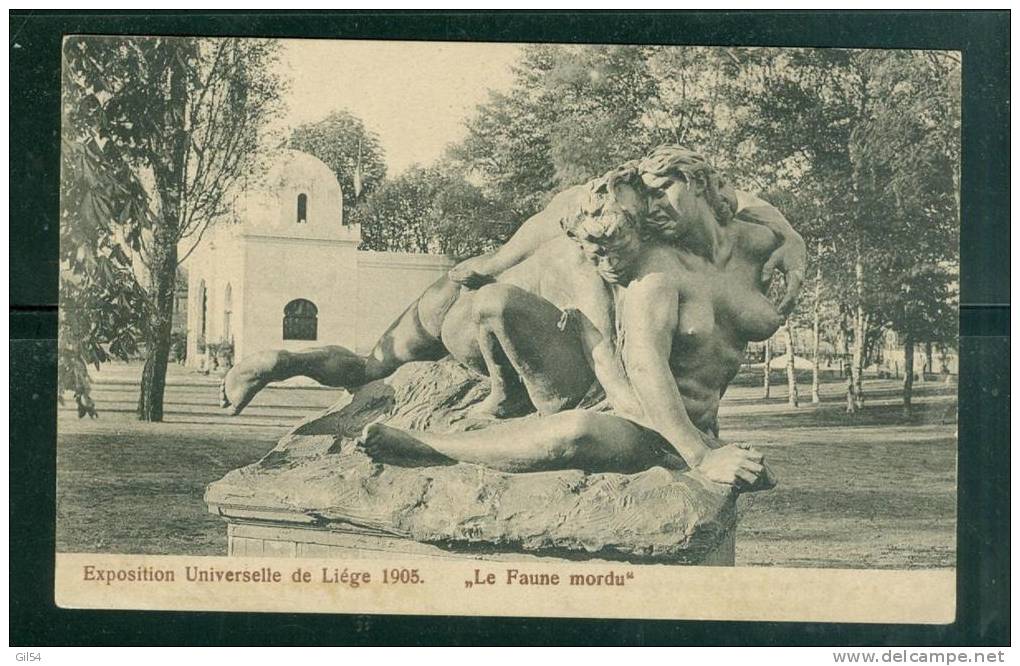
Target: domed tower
281,272
299,197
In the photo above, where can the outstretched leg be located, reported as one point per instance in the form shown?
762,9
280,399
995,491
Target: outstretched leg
332,366
412,337
573,439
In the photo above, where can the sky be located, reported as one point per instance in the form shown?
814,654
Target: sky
414,95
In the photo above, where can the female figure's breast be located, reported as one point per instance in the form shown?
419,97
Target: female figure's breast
738,291
704,357
695,322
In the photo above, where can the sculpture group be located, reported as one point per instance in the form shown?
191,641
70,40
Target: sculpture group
609,327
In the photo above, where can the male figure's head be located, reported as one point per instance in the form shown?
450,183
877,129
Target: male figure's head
606,227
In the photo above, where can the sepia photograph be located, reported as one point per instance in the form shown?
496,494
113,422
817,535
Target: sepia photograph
441,323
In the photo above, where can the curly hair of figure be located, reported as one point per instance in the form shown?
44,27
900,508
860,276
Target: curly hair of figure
621,195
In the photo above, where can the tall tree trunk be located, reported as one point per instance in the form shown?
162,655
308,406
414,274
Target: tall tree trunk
908,374
167,158
157,343
857,366
791,369
815,335
947,377
851,401
929,363
846,369
767,381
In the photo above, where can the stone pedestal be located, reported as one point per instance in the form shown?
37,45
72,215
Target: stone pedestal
269,539
318,495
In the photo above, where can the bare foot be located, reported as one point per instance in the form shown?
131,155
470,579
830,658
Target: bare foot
503,406
393,446
238,388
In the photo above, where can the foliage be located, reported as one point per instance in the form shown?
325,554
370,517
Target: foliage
102,305
573,113
431,210
168,128
336,140
104,209
860,149
867,140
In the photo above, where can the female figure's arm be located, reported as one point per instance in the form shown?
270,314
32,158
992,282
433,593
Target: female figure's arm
790,255
650,321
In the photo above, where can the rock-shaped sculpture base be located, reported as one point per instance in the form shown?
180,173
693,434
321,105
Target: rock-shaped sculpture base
318,494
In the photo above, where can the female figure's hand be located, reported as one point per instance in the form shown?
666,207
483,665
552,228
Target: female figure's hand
738,465
791,259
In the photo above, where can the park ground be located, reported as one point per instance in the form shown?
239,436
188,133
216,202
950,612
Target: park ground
871,490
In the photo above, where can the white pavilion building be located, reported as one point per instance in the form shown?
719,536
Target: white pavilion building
286,272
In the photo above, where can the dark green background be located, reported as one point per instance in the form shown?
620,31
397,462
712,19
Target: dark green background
983,581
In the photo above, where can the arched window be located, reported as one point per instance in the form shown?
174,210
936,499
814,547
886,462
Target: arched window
302,208
300,320
228,308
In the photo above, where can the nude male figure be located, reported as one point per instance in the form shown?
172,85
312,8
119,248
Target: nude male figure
494,329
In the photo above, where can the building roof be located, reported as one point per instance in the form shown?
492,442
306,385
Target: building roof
294,166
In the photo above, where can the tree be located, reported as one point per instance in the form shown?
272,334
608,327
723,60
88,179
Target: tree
103,208
507,145
397,216
816,323
338,140
912,167
432,210
600,95
466,221
698,95
922,310
795,119
869,138
573,113
185,116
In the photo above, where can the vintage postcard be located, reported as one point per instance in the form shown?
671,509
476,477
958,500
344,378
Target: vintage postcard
508,329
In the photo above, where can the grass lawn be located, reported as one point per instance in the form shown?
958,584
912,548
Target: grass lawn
873,490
